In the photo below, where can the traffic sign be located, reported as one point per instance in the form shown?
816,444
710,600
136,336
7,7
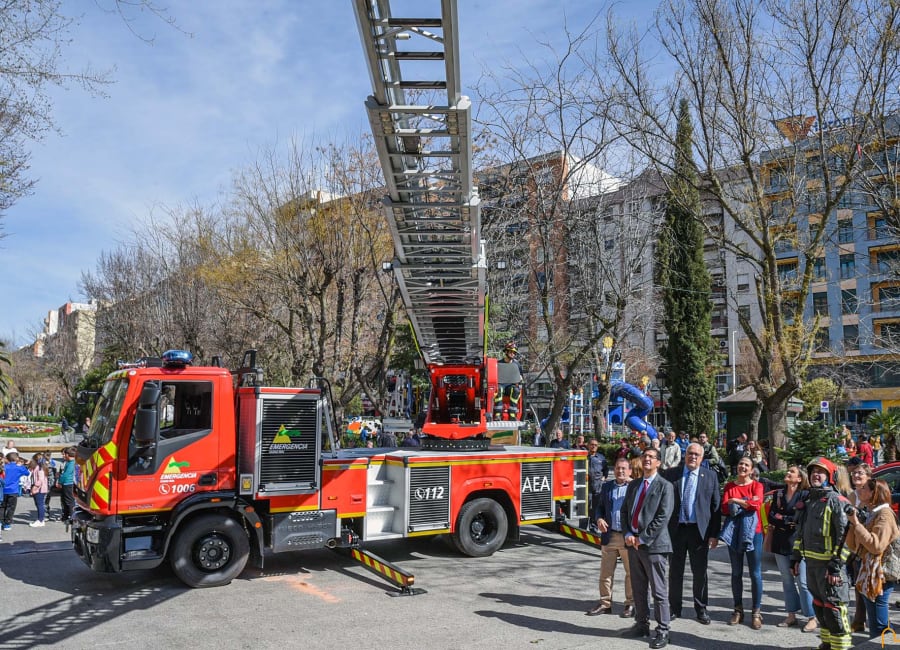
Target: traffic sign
823,407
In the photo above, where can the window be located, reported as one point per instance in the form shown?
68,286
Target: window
887,261
743,282
819,269
185,407
837,164
845,201
849,303
789,307
743,313
851,337
609,244
815,202
887,333
848,266
778,180
886,297
820,303
878,226
787,272
813,166
845,231
821,343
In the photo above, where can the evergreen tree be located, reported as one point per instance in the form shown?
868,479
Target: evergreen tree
685,283
808,440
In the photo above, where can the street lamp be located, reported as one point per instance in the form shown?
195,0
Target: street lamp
734,361
661,378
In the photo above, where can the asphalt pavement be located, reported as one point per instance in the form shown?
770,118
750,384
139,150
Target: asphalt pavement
529,594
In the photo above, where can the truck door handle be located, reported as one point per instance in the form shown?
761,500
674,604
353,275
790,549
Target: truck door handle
208,479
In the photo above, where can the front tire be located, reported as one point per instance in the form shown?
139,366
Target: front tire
481,528
210,551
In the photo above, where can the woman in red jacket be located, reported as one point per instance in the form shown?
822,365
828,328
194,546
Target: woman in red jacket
743,498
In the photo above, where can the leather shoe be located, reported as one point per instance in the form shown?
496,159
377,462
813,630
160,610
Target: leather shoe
599,609
661,640
628,612
637,631
674,614
703,617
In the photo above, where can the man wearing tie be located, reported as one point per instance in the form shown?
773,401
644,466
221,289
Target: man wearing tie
647,508
693,528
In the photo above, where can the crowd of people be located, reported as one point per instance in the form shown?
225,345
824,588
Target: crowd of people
829,528
40,477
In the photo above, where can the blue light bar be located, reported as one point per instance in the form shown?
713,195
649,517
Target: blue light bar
177,358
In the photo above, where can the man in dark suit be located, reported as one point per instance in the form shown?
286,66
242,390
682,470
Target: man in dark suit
694,528
647,509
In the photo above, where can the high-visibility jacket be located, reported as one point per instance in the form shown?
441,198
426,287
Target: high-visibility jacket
821,526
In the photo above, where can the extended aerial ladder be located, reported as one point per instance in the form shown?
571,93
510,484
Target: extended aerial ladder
422,129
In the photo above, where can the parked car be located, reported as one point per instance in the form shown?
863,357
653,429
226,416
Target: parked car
890,473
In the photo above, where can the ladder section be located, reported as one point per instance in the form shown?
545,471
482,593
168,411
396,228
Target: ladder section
422,131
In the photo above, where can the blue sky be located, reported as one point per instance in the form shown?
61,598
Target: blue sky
187,111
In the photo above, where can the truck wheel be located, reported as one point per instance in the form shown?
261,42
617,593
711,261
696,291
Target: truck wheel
210,551
480,528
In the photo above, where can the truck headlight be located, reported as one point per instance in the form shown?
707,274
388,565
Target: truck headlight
93,535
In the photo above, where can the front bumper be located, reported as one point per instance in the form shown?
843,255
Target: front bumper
98,542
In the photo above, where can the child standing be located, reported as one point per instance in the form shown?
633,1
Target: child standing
39,487
13,474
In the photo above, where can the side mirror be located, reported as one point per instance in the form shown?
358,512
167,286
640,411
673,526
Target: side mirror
146,424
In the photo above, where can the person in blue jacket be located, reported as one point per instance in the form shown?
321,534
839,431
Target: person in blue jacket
13,472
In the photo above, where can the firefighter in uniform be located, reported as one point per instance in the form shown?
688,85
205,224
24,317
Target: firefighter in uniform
511,391
822,531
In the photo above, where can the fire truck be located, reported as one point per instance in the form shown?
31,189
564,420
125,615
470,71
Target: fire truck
208,469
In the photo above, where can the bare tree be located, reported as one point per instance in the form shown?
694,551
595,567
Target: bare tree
301,252
34,37
151,292
747,67
572,273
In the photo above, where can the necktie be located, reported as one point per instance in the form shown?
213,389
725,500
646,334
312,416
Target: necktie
687,497
637,508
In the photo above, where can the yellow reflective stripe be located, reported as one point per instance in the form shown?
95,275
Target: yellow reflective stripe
826,529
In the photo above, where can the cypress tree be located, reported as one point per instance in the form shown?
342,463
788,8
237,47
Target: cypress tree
685,283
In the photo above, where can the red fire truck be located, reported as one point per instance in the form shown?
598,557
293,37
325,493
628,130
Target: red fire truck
205,468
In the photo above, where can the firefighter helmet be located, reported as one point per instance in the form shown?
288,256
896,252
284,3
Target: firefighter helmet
823,463
511,347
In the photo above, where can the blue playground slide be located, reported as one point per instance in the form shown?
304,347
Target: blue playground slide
643,404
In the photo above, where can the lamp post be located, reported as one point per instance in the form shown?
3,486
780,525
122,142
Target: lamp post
661,377
734,361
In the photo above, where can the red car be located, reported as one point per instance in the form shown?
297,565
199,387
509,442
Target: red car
890,473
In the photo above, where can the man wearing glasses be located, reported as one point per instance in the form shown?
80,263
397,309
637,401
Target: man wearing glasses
647,509
694,528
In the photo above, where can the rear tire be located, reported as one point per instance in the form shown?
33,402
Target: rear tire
481,528
210,551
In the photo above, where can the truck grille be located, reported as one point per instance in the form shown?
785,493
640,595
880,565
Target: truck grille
290,462
429,498
537,492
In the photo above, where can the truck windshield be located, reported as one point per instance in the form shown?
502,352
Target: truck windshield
106,414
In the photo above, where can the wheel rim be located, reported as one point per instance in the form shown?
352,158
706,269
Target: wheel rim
212,552
482,528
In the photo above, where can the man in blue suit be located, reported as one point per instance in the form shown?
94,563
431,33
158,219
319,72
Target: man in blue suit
694,528
648,506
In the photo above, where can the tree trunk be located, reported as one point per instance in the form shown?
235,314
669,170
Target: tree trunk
776,418
753,433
